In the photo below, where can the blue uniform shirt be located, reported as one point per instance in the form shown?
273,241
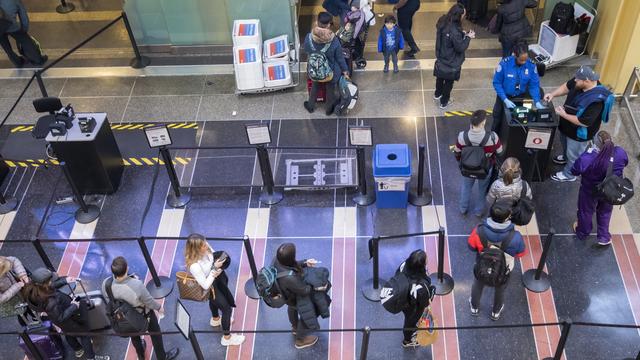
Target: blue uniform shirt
513,80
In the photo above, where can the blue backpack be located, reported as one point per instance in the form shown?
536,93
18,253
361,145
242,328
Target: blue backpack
267,286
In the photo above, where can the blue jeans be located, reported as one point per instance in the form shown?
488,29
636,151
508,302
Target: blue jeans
572,151
465,193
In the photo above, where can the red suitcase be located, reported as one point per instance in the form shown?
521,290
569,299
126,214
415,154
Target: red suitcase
321,95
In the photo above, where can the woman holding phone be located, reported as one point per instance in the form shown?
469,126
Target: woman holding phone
208,270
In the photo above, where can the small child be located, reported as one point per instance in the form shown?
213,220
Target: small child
390,42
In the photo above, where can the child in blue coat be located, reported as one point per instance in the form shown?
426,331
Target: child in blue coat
390,42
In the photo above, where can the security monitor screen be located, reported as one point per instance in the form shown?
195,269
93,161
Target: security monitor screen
547,39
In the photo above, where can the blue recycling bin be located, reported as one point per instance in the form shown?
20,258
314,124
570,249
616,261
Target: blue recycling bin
392,174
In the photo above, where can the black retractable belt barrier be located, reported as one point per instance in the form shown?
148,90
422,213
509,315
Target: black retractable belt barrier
177,198
362,198
43,255
365,343
421,198
43,89
139,61
33,349
564,335
195,345
160,286
86,213
65,7
537,280
442,281
269,195
250,286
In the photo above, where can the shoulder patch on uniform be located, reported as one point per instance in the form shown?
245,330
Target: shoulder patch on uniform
499,68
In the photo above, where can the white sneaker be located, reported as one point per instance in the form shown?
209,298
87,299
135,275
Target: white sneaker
234,340
215,323
436,97
561,177
79,353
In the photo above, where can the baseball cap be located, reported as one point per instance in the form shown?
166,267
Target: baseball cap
42,275
586,73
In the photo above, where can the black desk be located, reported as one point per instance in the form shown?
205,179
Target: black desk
93,159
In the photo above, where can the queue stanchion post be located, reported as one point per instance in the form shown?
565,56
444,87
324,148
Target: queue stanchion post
269,195
442,281
371,288
537,280
65,7
35,351
43,255
195,345
421,197
86,213
363,198
250,285
564,335
139,61
43,89
364,349
177,198
160,286
7,205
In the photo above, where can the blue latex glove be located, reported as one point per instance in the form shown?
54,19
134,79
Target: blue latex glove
539,105
509,103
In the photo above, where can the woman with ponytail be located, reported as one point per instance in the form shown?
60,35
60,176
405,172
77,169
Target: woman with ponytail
509,184
592,166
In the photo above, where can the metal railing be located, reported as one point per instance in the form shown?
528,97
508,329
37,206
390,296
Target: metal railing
631,91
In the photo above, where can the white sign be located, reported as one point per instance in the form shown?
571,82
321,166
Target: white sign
183,319
158,136
258,134
538,139
391,185
360,136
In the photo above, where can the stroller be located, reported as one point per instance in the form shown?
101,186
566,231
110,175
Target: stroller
353,35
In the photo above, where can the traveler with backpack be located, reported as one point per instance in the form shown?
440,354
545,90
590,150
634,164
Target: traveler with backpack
43,295
509,185
405,10
513,23
210,275
515,77
326,62
586,107
497,244
130,301
594,165
475,151
451,44
10,12
294,290
390,41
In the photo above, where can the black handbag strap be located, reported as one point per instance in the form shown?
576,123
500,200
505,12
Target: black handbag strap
107,287
610,167
523,192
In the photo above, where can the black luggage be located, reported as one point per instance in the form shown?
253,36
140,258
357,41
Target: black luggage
29,47
477,9
97,318
562,20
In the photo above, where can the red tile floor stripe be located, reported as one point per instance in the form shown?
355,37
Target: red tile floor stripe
628,259
349,338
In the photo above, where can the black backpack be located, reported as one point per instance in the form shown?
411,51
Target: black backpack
394,295
268,288
124,318
562,20
474,162
614,189
491,265
523,209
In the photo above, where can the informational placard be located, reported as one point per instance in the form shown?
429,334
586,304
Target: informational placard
391,184
538,138
158,136
183,319
360,136
258,134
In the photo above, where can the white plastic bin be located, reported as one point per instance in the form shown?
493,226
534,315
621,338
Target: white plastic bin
277,74
276,49
246,33
247,65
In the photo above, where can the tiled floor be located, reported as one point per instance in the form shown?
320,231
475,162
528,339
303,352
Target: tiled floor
587,285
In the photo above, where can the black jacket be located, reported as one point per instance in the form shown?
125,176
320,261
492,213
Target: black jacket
421,292
451,43
298,294
512,21
64,314
319,277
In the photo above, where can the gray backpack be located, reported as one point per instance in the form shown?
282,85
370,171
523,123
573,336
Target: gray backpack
318,67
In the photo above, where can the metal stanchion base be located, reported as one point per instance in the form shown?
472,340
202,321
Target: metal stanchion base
9,205
250,290
179,201
162,291
369,292
140,63
541,285
62,9
93,212
420,200
364,200
442,287
271,199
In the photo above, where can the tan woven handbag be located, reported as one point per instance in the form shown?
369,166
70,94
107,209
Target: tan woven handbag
189,288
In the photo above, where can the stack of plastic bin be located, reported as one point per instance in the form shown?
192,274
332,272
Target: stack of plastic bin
247,54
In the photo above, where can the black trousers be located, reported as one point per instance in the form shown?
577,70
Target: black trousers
8,49
296,323
411,317
405,23
156,340
443,88
81,342
221,305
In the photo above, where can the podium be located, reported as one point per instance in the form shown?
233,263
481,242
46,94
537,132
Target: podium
530,141
93,158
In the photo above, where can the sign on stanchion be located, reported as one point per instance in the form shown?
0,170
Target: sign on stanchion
442,281
537,280
421,197
361,136
183,323
260,136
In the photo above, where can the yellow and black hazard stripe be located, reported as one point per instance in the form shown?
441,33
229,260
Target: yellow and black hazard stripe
462,113
130,161
122,127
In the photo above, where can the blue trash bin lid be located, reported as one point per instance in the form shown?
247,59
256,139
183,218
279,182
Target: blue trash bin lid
391,160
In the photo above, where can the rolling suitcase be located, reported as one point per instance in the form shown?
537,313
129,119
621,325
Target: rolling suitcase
321,95
477,9
96,308
49,346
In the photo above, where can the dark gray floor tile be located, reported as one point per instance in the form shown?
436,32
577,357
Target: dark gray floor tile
169,85
220,84
11,88
246,107
99,86
162,109
379,81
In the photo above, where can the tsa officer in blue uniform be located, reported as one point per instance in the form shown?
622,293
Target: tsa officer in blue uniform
514,77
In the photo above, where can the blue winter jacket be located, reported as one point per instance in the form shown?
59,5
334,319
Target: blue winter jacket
496,233
513,80
382,39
